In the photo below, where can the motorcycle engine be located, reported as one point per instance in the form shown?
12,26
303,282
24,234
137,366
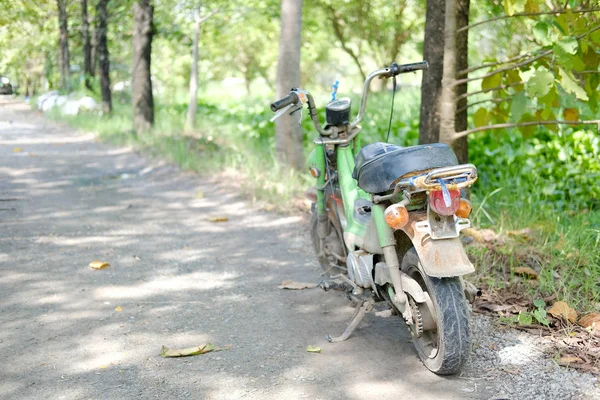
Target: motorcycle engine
360,269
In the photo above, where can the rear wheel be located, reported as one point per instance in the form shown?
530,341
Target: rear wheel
333,258
444,343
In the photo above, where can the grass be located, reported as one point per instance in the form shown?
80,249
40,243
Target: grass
546,184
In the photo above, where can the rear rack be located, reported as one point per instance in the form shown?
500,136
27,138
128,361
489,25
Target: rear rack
455,177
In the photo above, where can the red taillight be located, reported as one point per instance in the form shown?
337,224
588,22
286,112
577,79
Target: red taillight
443,206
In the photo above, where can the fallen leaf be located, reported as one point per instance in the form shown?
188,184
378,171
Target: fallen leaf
291,285
560,309
591,320
481,235
99,264
525,233
190,351
218,219
313,349
200,195
17,150
118,309
269,207
526,271
102,367
566,360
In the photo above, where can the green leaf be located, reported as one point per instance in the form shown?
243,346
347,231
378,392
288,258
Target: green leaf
568,61
540,32
539,303
491,82
571,86
481,117
525,318
568,44
518,106
540,315
527,130
313,349
540,84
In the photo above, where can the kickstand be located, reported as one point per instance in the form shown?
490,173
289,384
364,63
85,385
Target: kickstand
359,313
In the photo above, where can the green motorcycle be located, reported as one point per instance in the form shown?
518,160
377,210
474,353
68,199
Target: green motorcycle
386,223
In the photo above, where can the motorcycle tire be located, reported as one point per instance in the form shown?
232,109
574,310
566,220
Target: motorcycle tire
445,347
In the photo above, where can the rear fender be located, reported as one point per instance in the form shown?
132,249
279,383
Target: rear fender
441,258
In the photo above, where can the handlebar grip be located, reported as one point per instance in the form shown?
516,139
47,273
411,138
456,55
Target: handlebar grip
413,67
291,98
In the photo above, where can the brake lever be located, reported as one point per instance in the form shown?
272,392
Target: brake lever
281,112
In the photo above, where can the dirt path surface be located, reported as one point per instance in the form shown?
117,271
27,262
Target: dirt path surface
182,280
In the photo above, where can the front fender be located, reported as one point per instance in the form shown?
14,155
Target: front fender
440,258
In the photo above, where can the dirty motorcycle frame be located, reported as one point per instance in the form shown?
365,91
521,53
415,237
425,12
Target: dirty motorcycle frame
415,266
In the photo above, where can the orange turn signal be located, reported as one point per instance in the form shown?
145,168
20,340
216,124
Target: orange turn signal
396,216
464,208
314,172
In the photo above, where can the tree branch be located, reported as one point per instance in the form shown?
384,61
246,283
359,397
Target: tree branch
490,89
499,71
475,68
339,34
529,123
493,99
526,14
528,61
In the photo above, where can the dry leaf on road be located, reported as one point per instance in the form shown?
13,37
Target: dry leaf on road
118,309
99,264
190,351
566,360
291,285
560,309
17,150
218,219
526,271
313,349
591,320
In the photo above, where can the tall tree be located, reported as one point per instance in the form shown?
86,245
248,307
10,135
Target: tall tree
431,87
102,53
190,121
87,47
63,45
288,133
143,30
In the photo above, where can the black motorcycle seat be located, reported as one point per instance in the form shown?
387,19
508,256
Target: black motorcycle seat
379,165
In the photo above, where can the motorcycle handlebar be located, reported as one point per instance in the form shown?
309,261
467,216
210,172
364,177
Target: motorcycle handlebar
291,98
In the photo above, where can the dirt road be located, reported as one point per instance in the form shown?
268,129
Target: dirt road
179,279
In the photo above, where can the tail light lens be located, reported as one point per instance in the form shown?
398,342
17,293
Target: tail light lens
396,216
444,205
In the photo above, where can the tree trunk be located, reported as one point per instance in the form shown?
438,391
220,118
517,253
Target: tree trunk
102,52
448,95
461,145
63,46
143,103
190,122
431,84
87,47
288,133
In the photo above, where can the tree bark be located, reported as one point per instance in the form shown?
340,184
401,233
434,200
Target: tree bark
431,84
103,57
63,46
143,30
87,47
288,133
461,145
190,122
448,95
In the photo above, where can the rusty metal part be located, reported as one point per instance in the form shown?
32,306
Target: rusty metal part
471,292
359,313
439,258
417,327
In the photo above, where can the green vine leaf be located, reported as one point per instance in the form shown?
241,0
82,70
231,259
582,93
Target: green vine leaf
571,86
540,83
